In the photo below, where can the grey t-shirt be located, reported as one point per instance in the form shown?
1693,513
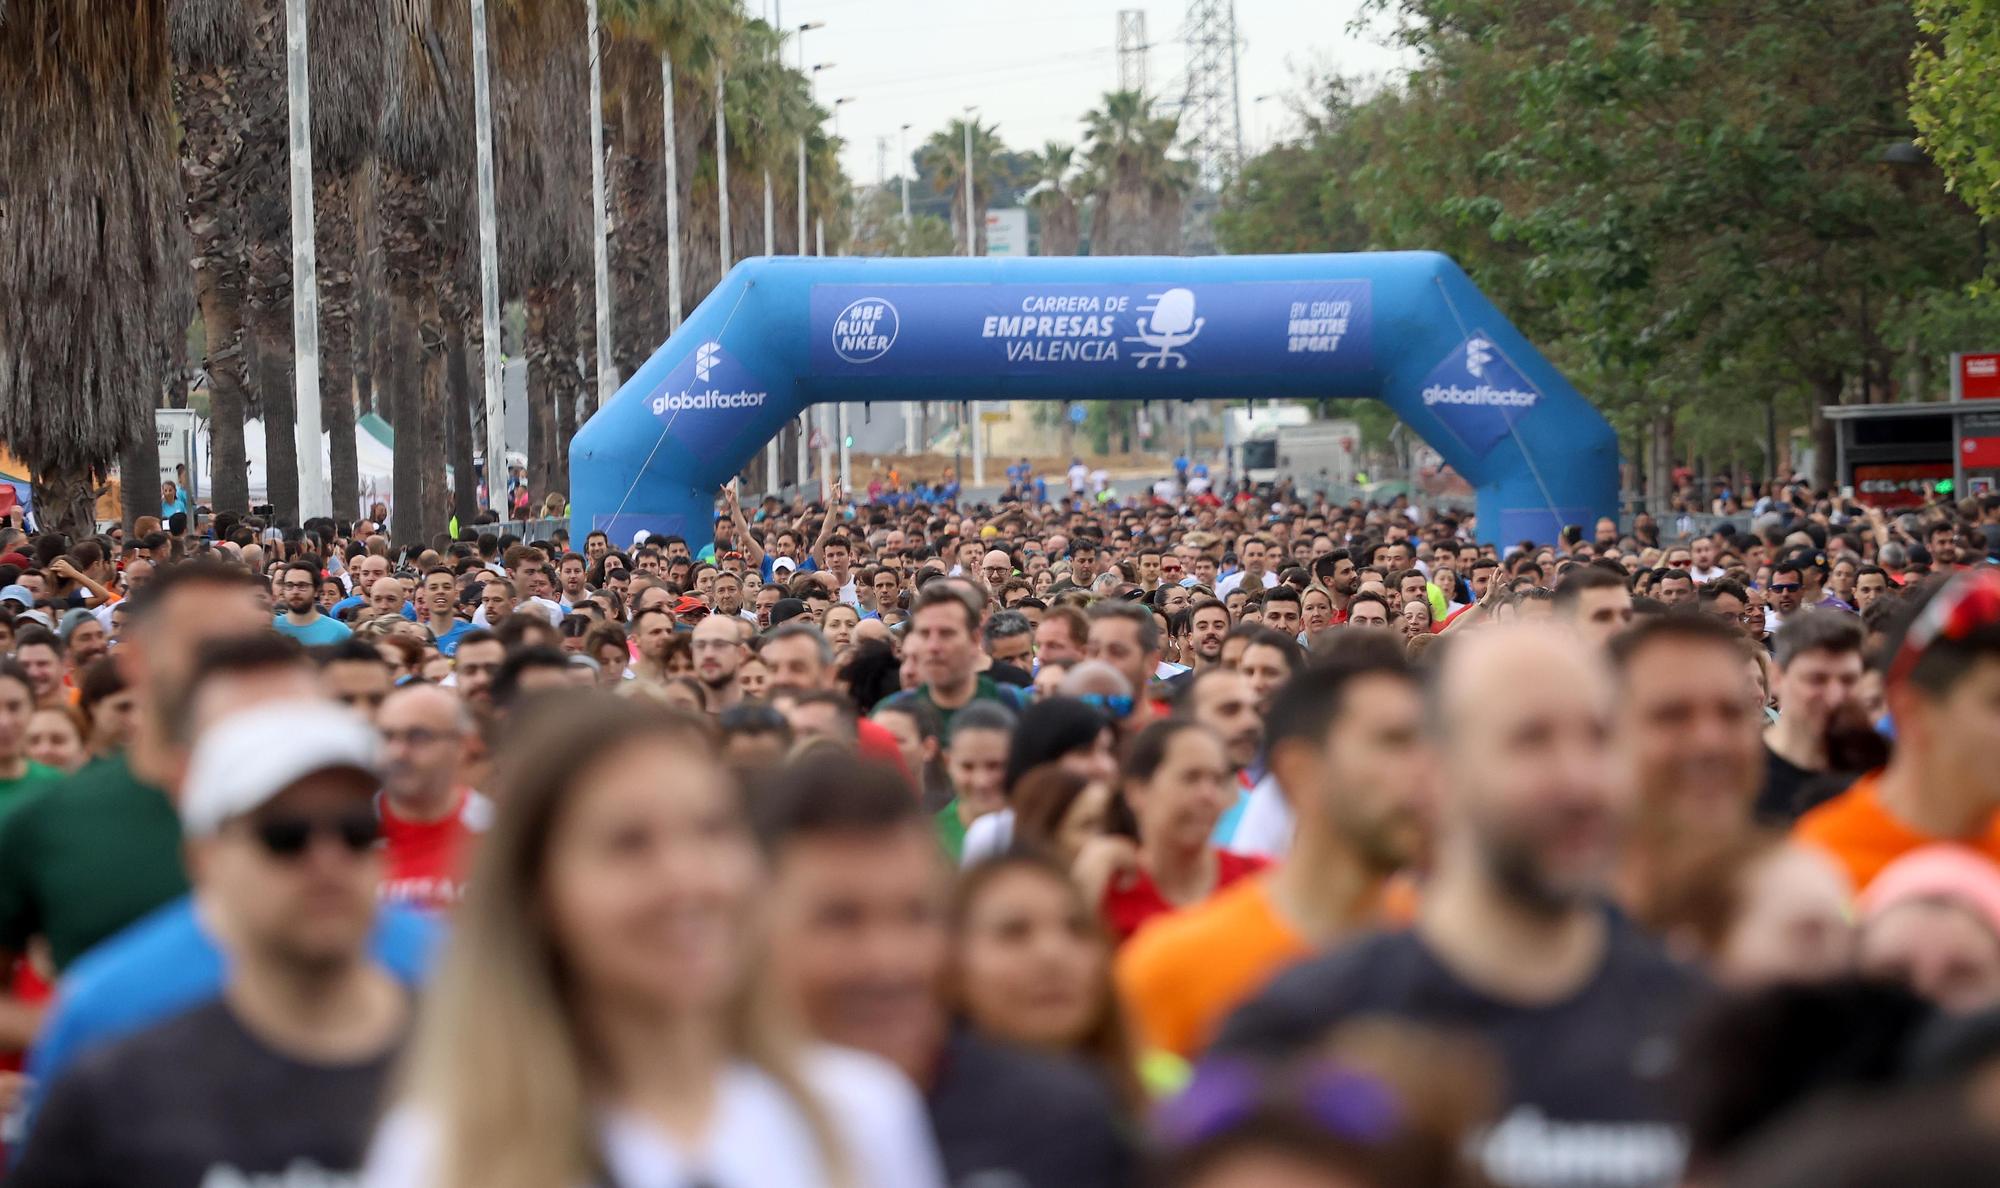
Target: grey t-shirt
1585,1102
1007,1118
198,1100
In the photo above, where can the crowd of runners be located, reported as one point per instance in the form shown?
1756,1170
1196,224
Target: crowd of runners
1202,838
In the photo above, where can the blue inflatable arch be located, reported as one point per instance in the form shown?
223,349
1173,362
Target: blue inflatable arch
782,333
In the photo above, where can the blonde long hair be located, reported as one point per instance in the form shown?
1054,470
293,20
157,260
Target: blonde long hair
500,1059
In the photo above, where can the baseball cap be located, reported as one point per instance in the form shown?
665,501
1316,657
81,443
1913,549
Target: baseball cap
690,604
20,594
236,769
786,609
17,560
641,537
784,563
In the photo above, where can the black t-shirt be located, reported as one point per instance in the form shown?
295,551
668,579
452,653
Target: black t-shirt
1584,1105
197,1100
1007,1118
1790,791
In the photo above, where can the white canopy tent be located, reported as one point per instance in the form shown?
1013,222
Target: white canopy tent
374,457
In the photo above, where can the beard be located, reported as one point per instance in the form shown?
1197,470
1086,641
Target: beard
301,604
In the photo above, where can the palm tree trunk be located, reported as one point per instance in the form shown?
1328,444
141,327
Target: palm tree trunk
271,322
139,461
571,394
218,294
336,247
398,368
434,410
461,424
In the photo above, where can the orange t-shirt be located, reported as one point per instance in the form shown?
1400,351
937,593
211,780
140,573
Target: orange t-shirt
1858,831
1183,974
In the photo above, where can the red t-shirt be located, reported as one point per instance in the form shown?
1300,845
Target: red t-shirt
427,859
1132,901
877,741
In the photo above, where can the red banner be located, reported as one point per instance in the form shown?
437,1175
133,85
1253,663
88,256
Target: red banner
1905,485
1981,453
1976,375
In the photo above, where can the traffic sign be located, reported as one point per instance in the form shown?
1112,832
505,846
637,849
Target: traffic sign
1078,414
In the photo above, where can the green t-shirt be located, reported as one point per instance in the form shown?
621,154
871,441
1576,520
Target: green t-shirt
13,792
985,688
951,831
86,856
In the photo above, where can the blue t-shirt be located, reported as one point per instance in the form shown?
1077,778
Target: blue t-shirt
323,630
164,964
447,644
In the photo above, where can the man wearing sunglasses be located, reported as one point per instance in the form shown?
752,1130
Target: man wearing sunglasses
282,842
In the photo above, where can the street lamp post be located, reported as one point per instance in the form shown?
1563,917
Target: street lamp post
314,498
903,168
812,88
971,244
607,371
971,233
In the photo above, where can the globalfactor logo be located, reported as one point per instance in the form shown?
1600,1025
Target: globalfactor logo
1477,395
709,380
1478,353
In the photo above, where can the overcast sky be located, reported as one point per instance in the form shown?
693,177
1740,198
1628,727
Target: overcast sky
1035,66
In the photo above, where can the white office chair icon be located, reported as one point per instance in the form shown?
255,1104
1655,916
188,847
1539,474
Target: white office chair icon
1167,325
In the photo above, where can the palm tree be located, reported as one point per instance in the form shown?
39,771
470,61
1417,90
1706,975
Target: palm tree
347,38
258,86
210,40
943,157
542,176
1138,188
93,252
1052,201
697,35
423,203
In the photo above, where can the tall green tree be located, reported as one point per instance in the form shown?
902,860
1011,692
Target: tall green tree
1687,206
1955,95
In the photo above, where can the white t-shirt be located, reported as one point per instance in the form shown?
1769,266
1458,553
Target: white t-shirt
988,837
756,1137
1704,576
1223,587
553,610
1078,476
1265,828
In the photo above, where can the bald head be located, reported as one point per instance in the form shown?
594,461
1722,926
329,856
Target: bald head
1533,800
429,706
1485,668
385,597
1095,677
717,627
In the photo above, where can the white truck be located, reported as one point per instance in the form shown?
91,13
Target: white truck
1250,436
1319,455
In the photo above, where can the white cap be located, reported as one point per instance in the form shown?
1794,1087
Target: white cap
784,563
641,537
246,759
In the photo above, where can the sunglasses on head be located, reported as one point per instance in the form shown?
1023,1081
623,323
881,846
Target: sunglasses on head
1118,705
289,835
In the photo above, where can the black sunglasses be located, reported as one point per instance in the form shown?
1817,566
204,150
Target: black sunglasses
290,836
